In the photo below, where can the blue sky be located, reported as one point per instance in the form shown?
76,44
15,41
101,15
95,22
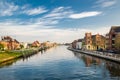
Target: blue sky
57,20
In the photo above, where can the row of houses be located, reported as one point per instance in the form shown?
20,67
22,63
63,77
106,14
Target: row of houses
8,43
111,41
90,42
44,44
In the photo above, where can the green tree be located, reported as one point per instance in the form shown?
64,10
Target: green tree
21,46
83,43
1,47
117,42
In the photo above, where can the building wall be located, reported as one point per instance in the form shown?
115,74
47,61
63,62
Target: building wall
9,43
15,45
112,39
94,42
112,36
36,44
5,44
99,42
107,41
89,47
74,44
88,41
78,45
117,42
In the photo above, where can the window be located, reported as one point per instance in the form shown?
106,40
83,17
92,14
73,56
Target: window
113,41
89,47
89,38
88,42
113,36
113,46
98,41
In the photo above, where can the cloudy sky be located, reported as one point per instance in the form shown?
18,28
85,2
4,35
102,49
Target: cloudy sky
57,20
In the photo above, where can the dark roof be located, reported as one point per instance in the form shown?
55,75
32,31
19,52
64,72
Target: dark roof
93,36
80,40
102,36
16,41
8,38
115,28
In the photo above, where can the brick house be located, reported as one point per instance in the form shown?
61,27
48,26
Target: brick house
98,41
94,42
74,44
107,41
114,31
36,44
88,41
9,43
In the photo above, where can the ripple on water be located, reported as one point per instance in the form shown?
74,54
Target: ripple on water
60,64
52,78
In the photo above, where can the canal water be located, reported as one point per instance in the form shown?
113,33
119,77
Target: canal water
58,63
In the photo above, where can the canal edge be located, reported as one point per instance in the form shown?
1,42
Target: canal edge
98,56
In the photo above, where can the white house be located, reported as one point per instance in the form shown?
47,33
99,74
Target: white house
79,44
25,45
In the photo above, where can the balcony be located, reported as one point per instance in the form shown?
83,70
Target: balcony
113,38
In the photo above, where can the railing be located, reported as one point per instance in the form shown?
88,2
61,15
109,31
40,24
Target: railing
110,56
106,54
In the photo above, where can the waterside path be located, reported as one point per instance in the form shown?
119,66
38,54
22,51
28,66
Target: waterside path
107,56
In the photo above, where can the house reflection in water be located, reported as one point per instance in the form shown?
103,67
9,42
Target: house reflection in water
112,67
88,60
8,63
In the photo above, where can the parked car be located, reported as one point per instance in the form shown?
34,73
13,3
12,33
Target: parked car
111,51
100,49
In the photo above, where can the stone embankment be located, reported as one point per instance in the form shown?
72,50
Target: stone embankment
103,55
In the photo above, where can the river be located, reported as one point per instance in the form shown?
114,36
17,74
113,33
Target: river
58,63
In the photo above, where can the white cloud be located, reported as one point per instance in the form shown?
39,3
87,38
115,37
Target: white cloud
35,11
46,21
84,14
54,16
42,28
105,3
59,13
7,9
109,3
29,33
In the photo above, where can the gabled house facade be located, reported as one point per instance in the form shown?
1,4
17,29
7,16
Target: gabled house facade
88,41
9,43
94,42
114,32
36,44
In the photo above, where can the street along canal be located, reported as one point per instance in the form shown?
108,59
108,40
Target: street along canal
58,63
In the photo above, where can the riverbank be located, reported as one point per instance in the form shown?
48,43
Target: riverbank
107,56
10,55
6,56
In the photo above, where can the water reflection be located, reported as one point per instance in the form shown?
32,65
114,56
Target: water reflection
8,63
58,63
113,68
11,62
88,60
